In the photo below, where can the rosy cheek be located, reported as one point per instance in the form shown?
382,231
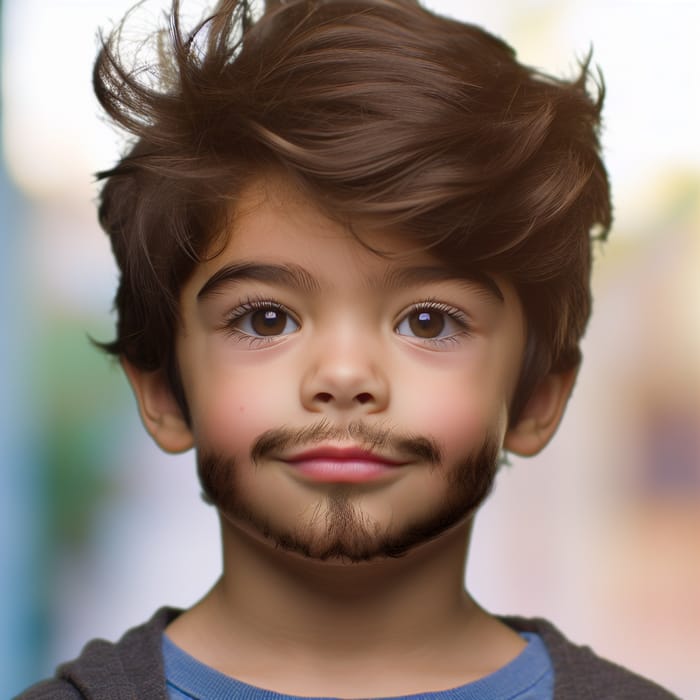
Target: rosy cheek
235,410
459,415
453,424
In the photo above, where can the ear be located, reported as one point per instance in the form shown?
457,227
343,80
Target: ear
160,413
539,419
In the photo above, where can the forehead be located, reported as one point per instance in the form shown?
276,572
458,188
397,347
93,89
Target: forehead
275,233
272,214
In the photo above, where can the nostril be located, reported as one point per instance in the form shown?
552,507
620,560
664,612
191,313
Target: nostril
364,397
324,397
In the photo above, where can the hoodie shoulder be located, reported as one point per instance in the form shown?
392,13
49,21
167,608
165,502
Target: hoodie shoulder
580,673
51,690
130,669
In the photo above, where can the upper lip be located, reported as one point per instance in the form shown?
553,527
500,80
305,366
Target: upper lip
336,453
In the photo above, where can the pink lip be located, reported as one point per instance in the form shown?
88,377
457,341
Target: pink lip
341,464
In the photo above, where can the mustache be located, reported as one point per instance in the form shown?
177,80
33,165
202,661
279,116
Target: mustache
369,437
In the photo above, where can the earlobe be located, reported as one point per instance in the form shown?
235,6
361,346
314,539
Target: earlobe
539,419
160,413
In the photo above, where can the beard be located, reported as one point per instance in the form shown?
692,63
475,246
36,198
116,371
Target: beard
338,529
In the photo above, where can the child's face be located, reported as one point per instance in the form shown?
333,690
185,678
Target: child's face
353,349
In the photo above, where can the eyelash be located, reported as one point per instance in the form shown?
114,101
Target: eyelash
252,304
457,316
248,306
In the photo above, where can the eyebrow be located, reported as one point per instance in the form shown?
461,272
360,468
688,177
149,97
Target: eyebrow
297,277
411,276
286,275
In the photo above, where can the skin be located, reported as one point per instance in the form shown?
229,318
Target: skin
313,599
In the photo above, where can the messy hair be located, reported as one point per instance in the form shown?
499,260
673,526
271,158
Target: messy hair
389,116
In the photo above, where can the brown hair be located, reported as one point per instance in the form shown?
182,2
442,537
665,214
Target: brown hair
385,113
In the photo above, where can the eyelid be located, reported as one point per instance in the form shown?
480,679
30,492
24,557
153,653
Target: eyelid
248,306
252,304
454,314
436,305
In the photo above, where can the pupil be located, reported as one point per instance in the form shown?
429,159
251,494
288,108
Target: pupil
268,321
427,324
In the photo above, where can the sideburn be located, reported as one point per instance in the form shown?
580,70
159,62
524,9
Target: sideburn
172,374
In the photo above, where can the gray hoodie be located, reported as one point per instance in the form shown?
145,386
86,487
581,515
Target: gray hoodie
132,669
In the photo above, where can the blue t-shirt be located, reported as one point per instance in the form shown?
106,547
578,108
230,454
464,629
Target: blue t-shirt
529,676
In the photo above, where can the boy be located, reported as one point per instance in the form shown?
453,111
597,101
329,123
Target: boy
354,243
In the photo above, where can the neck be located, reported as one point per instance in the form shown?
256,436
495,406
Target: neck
278,595
399,620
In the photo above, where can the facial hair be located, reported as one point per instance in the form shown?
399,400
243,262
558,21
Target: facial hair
347,533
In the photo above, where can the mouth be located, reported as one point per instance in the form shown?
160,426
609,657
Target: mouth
342,464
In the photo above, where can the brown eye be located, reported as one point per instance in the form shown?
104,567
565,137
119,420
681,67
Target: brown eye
426,323
268,321
439,323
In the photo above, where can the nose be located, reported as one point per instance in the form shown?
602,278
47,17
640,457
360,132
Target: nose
345,374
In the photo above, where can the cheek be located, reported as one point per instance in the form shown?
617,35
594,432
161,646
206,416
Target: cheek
232,408
457,411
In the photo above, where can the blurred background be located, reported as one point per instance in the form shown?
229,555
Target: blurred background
600,533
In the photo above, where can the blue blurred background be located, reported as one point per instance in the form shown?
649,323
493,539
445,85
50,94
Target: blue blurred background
600,533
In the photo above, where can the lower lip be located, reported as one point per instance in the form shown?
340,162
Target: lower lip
342,470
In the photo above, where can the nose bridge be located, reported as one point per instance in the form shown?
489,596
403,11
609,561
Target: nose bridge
346,365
